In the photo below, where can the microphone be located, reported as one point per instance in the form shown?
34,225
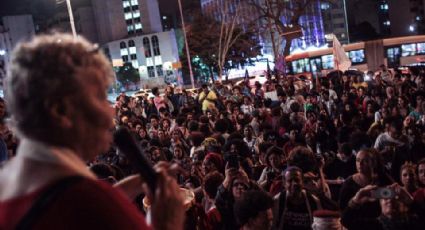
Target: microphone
127,144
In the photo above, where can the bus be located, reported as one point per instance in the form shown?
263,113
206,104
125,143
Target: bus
369,55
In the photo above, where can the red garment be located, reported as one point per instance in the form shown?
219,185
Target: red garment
214,218
88,204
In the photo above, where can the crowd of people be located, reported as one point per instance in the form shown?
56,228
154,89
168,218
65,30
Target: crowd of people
343,153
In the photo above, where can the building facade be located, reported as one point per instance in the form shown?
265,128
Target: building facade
152,54
109,19
405,17
117,19
335,20
311,22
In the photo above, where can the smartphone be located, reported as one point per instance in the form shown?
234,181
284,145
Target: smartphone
383,193
233,161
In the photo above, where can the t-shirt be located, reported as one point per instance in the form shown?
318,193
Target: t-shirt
209,100
385,139
159,102
87,204
296,217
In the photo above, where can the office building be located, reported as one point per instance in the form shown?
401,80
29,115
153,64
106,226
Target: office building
335,21
405,17
152,54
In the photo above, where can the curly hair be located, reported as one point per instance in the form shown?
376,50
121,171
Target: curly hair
303,158
251,204
43,74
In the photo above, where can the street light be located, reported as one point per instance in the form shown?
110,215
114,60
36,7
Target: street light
187,46
71,15
2,52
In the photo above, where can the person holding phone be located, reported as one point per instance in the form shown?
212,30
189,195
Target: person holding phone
235,184
370,171
394,202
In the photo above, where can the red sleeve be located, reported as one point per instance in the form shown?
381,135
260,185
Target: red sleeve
92,205
214,218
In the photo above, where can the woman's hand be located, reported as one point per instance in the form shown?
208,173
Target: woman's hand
364,195
131,186
167,207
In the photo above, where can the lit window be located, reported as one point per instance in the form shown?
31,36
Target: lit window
124,52
325,6
164,17
408,50
384,6
136,14
149,61
128,16
138,26
132,50
130,28
134,2
421,48
125,4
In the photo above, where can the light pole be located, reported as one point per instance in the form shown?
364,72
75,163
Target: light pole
71,18
187,46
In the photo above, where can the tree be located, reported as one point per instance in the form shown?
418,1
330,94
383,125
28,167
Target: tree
127,73
283,17
216,46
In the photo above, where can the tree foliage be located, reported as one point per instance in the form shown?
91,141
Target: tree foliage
211,51
127,73
283,17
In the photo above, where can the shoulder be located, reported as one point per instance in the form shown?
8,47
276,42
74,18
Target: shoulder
94,204
349,183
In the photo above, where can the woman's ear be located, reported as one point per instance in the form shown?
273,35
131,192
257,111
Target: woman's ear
61,112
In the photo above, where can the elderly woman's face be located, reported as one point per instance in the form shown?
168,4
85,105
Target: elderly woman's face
93,120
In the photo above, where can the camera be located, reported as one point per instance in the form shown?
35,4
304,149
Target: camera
383,193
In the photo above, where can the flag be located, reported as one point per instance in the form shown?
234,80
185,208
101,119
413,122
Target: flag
341,60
